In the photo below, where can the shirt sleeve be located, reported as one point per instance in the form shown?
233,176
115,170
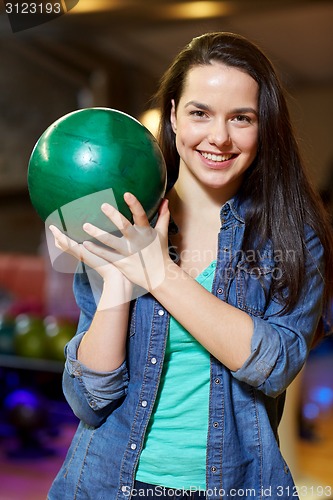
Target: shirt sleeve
281,342
99,387
81,385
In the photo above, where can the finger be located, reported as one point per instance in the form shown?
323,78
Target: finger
118,244
63,242
117,218
139,215
162,224
75,249
104,253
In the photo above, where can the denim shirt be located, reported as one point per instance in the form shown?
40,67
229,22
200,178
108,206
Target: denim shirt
245,406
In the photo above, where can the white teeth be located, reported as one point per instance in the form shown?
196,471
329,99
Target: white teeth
214,157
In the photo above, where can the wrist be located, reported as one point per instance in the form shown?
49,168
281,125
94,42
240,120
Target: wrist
172,273
116,292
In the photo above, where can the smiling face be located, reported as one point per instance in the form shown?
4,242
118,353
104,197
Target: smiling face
216,126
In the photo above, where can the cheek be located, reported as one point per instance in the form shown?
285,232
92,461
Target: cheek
190,134
250,142
185,134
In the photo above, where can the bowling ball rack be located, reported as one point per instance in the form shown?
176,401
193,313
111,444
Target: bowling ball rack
32,406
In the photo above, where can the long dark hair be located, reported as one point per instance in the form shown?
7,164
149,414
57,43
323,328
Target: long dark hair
283,198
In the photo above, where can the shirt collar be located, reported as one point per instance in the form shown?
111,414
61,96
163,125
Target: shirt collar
235,207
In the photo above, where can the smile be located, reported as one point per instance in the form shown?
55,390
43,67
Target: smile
215,157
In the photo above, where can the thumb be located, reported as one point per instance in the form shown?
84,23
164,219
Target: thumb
162,224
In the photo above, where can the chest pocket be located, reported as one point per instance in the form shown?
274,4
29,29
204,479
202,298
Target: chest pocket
250,284
253,285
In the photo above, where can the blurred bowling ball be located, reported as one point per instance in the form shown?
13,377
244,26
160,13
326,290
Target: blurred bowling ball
58,332
91,156
29,336
7,331
25,409
27,412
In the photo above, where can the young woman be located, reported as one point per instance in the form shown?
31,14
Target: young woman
180,392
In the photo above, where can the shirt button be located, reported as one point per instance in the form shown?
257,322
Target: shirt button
153,361
160,312
215,424
144,403
220,290
217,381
213,469
133,446
124,488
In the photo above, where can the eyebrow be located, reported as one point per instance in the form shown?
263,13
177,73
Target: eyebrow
197,104
245,110
205,107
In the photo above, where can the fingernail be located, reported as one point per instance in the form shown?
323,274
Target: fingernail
105,206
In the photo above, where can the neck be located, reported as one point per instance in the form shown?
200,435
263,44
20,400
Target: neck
194,207
192,197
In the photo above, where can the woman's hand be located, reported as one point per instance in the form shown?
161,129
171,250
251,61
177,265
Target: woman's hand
119,288
77,250
141,254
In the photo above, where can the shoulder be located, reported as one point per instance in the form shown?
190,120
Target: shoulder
314,246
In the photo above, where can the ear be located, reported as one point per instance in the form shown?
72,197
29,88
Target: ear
173,118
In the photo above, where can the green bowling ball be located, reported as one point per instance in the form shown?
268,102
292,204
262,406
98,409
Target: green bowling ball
58,332
7,330
91,156
29,336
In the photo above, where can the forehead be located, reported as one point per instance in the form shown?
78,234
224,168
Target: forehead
219,79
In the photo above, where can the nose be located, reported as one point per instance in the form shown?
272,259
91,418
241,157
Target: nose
219,133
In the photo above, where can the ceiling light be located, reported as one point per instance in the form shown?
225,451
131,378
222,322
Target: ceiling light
195,10
86,6
151,119
178,10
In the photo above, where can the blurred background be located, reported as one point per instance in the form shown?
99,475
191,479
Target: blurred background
112,53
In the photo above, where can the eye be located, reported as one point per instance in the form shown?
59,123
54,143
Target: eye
198,113
242,119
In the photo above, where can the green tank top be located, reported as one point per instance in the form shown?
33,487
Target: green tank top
174,450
